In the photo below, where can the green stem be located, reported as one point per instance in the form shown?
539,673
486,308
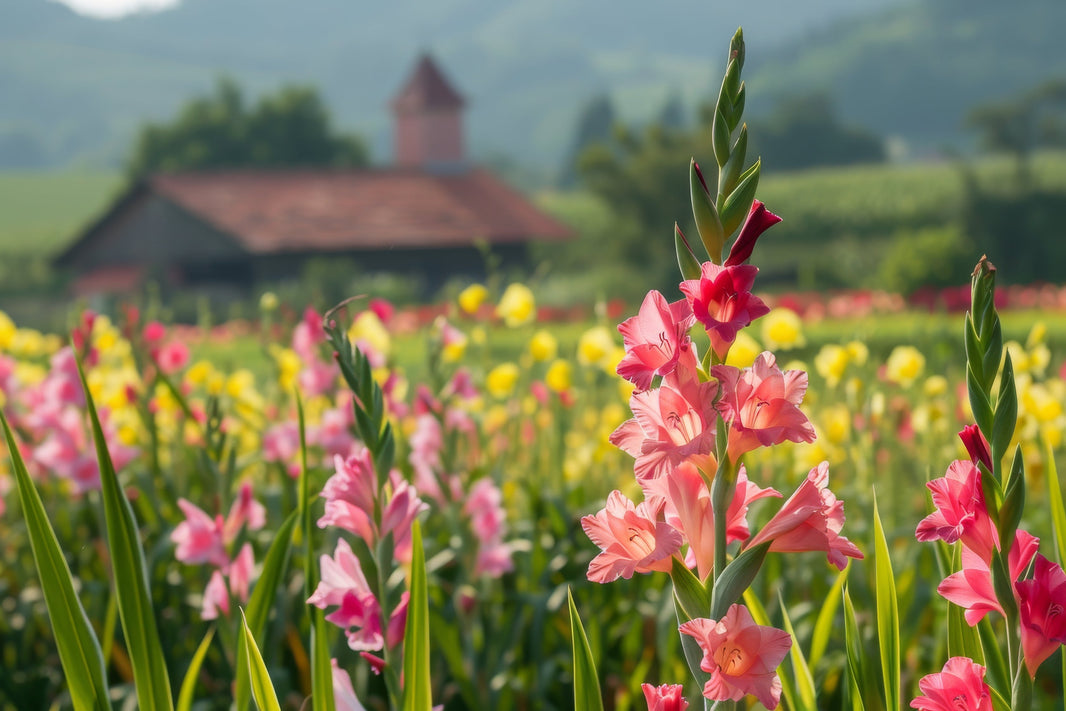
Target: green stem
722,491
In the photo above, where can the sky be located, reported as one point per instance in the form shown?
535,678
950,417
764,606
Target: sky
116,8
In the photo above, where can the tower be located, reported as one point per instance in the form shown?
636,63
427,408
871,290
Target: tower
428,122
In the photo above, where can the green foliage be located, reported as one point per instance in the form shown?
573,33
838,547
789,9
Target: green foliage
930,256
804,131
288,129
586,682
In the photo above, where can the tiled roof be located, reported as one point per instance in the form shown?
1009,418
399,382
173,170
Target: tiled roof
426,89
306,210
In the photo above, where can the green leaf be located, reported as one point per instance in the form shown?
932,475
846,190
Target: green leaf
823,625
130,574
1058,511
804,694
720,134
738,203
693,597
79,650
727,181
266,699
188,686
980,405
262,599
417,695
853,647
1005,418
887,614
691,648
706,216
1010,514
321,669
586,681
686,260
736,578
963,640
998,674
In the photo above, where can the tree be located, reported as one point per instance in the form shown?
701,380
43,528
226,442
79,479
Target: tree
289,128
594,125
804,132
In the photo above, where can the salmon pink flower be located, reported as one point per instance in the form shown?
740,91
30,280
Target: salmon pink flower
971,588
762,403
811,520
741,656
344,697
960,686
216,598
668,697
632,541
976,445
1042,601
689,510
670,424
655,339
722,301
350,495
960,513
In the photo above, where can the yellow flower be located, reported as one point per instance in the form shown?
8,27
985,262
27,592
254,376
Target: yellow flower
478,335
935,385
7,331
782,330
743,352
559,376
268,301
199,373
517,306
543,346
1036,335
369,329
496,418
289,366
471,298
455,348
1018,357
858,352
831,362
905,364
501,380
595,347
836,423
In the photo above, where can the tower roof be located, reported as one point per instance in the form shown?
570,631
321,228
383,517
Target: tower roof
427,88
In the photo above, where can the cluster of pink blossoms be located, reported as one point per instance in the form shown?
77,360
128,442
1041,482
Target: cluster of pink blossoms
672,437
962,516
202,539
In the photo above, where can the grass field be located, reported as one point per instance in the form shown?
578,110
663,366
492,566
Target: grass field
41,212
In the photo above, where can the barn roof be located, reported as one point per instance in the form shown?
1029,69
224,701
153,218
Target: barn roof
426,89
286,211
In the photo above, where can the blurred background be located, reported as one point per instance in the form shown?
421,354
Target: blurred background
901,139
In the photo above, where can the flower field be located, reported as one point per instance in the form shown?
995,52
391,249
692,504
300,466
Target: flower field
719,497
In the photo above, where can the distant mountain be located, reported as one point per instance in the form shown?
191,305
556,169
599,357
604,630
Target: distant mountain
74,89
912,71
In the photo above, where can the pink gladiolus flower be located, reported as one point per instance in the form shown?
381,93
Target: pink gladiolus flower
333,433
960,513
762,403
426,443
350,495
655,339
670,424
281,443
758,221
307,335
399,515
216,598
343,584
689,510
668,697
344,697
1042,600
741,656
722,301
971,588
484,506
960,686
631,540
976,445
240,573
172,357
198,537
811,520
493,559
245,511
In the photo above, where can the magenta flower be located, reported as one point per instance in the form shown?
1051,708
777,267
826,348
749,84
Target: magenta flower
811,520
350,495
762,405
758,221
1042,600
670,424
741,656
960,513
203,539
631,540
976,445
655,339
960,686
668,697
971,588
722,301
240,573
